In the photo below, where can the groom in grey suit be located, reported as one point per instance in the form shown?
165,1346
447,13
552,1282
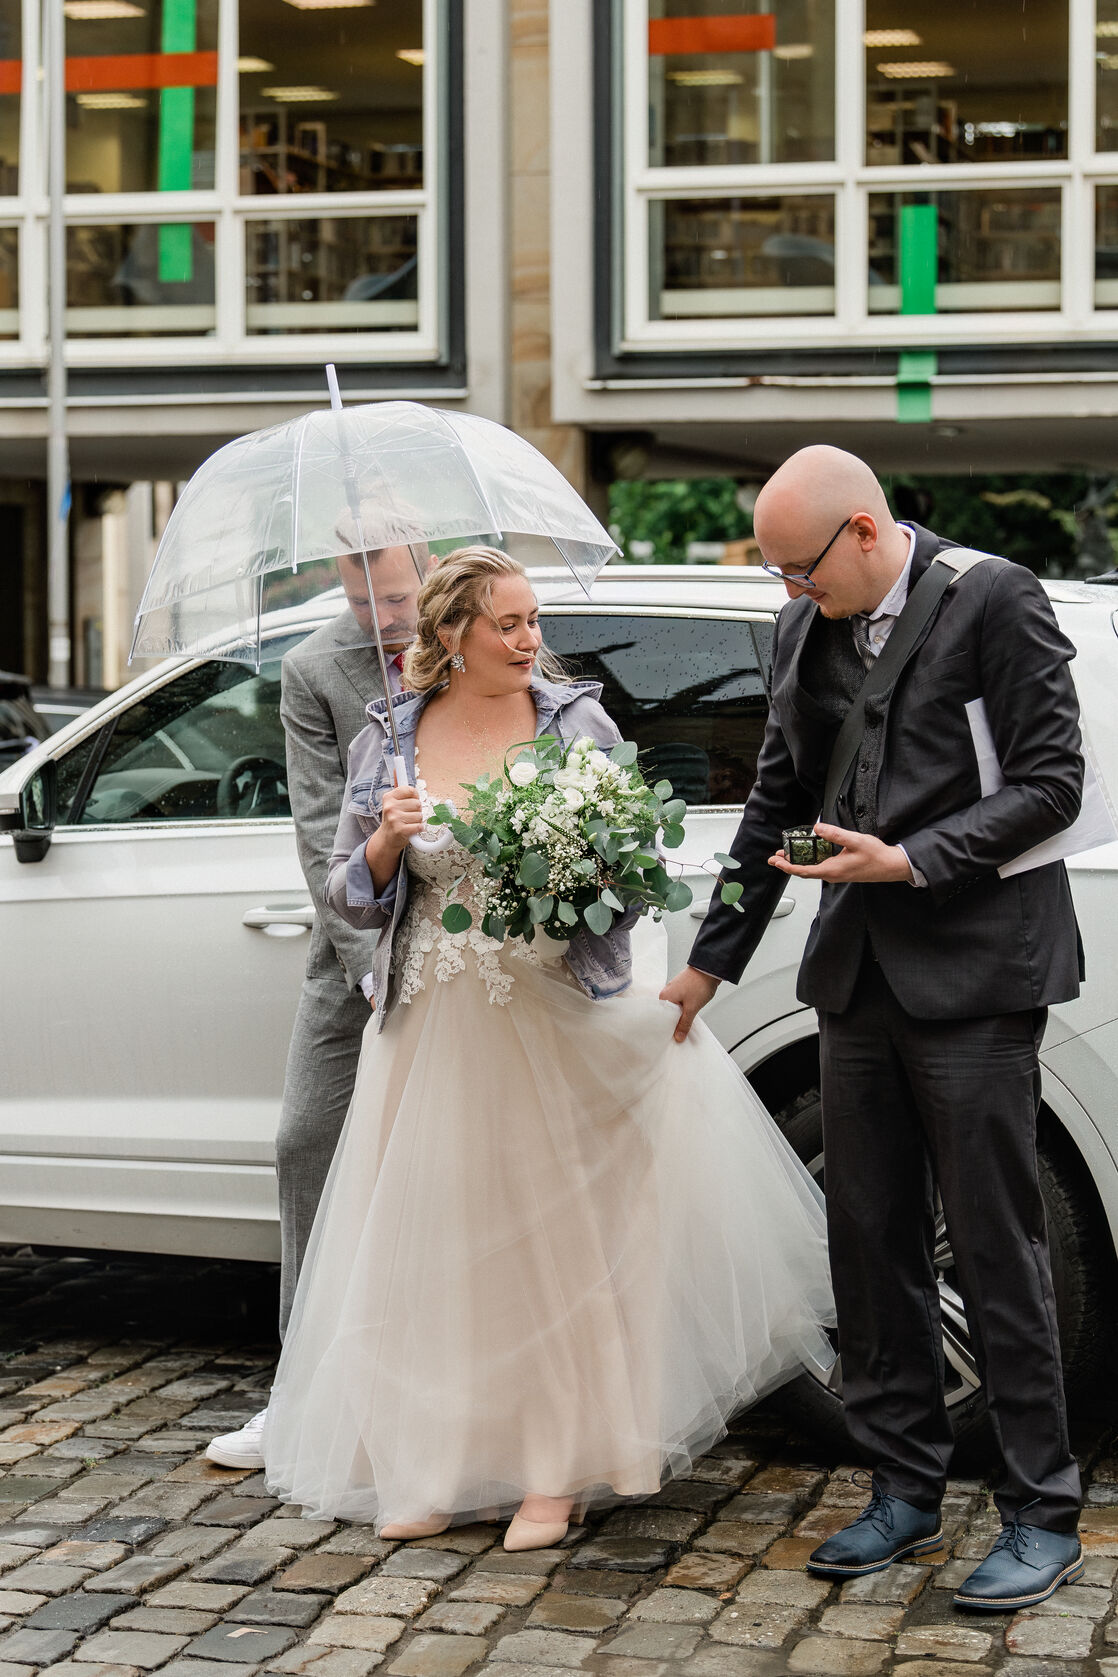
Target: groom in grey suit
326,683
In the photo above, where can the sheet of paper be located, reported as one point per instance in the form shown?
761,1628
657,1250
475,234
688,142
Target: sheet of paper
1094,825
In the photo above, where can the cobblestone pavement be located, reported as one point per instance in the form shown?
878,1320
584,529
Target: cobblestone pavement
122,1551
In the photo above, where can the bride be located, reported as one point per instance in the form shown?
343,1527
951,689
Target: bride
556,1250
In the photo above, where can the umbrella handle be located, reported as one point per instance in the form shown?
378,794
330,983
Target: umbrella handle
420,841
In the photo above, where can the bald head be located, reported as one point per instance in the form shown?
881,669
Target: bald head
822,493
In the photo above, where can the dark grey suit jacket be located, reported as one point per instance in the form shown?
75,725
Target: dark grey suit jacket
326,682
971,943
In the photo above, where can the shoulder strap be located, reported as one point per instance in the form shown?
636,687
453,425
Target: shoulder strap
922,601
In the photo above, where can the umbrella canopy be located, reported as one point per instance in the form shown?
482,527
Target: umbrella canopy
389,474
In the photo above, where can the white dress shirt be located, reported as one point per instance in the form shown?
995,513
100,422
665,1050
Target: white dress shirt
879,625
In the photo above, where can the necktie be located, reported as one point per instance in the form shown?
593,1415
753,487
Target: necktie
860,629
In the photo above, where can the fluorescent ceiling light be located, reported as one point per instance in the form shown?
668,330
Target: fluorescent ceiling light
794,49
297,95
1107,30
328,5
1107,61
892,38
411,55
916,72
254,66
90,11
111,102
705,78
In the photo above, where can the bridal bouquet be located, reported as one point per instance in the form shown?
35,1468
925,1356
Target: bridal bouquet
570,837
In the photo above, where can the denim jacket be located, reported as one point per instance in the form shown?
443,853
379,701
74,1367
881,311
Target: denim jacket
601,965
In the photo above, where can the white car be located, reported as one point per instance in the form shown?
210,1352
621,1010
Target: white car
153,922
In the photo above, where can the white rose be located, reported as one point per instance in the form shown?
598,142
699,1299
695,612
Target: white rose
572,797
598,761
523,772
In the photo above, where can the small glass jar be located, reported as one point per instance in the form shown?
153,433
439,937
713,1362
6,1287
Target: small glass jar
804,847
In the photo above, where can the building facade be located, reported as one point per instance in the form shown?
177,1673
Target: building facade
658,237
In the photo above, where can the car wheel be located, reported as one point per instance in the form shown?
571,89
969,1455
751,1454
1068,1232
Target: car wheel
1080,1276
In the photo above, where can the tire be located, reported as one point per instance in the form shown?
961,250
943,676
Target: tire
1082,1278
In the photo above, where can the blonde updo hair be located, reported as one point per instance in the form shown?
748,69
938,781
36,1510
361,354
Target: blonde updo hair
459,590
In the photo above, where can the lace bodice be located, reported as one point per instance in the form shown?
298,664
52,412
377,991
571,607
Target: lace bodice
431,875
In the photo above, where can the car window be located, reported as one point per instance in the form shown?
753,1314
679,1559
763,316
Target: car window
690,690
207,745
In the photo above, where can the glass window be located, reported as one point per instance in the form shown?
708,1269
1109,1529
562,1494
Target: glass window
207,745
360,274
331,96
741,84
11,75
689,690
142,85
140,280
9,282
1106,247
932,252
721,257
964,81
1106,75
71,771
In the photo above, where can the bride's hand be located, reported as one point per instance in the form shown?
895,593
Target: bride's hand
401,816
689,990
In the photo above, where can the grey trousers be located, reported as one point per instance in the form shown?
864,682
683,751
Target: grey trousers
317,1085
909,1104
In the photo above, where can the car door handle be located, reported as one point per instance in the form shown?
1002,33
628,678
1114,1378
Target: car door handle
299,916
783,907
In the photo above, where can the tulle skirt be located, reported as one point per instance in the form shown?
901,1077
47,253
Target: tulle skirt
556,1251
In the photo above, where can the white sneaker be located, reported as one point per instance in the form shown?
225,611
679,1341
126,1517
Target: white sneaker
242,1448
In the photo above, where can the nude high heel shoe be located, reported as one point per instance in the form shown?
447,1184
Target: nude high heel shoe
524,1532
403,1529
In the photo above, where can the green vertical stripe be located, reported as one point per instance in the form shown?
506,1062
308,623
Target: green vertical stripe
915,371
918,254
179,33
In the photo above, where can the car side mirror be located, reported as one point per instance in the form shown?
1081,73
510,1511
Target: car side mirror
38,808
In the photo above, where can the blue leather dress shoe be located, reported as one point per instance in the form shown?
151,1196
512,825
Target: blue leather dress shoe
885,1531
1025,1565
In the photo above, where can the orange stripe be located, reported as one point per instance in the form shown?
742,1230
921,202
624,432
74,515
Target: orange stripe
752,32
11,75
117,71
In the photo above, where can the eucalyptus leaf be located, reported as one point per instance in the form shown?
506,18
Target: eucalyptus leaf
533,870
642,859
493,926
679,896
672,837
598,917
662,789
673,813
726,861
567,914
585,866
731,893
457,918
613,900
624,753
540,909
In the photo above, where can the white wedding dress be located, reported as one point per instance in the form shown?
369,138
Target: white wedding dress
555,1252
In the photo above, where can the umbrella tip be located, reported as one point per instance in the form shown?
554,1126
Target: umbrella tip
332,386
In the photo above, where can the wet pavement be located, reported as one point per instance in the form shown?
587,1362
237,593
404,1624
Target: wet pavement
123,1551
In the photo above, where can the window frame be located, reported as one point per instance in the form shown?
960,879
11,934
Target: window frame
627,184
438,340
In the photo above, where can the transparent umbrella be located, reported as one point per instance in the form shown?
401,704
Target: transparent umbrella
262,521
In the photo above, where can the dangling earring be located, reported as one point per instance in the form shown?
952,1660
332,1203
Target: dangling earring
457,662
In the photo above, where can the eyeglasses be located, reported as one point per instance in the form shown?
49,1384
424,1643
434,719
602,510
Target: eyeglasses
802,579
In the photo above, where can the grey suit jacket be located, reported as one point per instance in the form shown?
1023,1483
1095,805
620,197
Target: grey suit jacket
326,682
972,943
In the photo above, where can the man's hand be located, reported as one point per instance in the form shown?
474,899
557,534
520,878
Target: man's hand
864,860
689,990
